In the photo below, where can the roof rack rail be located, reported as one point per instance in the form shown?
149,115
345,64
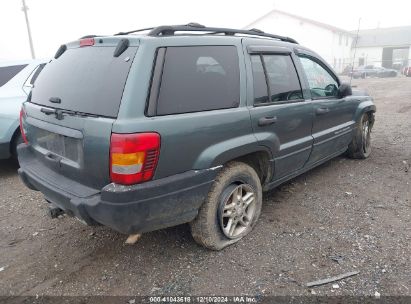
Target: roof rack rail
169,30
135,31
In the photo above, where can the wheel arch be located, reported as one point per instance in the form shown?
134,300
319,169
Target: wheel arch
367,106
262,162
13,140
246,149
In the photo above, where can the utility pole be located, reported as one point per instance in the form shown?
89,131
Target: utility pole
24,9
355,49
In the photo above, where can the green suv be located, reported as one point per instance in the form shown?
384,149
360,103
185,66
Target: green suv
183,124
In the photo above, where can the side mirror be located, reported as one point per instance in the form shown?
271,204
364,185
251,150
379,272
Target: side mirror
344,90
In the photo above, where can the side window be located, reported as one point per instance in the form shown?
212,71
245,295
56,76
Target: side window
279,73
321,82
36,73
8,72
32,78
199,78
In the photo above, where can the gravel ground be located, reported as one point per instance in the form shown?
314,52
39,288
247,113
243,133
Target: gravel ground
346,215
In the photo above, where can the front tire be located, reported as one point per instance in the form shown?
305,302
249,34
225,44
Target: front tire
360,146
231,208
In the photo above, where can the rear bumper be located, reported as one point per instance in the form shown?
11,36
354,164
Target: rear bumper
127,209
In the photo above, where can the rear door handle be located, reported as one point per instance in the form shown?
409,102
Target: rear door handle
266,121
322,111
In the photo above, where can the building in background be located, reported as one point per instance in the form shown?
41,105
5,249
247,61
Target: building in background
386,47
331,43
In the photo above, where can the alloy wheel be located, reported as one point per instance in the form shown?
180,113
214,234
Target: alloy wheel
366,136
237,211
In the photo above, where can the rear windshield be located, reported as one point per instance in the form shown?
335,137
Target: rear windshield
8,72
89,80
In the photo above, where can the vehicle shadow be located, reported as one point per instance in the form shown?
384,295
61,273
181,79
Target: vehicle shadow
8,167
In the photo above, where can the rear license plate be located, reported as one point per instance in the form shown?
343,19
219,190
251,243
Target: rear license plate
55,143
61,145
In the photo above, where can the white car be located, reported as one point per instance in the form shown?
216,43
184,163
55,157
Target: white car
16,80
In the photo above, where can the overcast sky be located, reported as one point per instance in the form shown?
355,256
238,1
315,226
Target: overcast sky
54,22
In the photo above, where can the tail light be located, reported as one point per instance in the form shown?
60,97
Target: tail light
133,157
23,133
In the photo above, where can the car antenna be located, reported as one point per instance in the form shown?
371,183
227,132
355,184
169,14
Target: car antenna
355,49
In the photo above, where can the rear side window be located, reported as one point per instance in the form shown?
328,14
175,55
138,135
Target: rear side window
35,74
7,73
87,79
275,76
32,78
199,78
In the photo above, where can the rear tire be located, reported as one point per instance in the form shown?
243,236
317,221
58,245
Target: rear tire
231,208
360,146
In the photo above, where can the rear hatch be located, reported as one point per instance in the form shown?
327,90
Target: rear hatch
71,109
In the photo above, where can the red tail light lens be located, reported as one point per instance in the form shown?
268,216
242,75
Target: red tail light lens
86,42
133,157
23,133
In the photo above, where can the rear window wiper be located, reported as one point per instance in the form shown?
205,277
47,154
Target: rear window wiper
60,113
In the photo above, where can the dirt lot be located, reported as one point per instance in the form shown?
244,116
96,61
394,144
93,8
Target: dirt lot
355,211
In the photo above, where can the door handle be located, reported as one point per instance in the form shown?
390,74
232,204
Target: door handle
266,121
322,111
